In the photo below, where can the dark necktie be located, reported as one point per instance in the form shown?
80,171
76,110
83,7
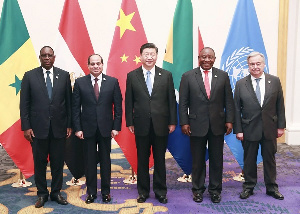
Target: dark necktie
49,84
96,88
257,91
148,82
206,84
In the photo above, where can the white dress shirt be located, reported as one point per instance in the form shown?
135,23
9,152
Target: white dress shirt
152,71
209,76
262,86
50,75
99,80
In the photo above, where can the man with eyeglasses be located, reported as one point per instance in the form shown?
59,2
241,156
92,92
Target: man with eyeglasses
206,113
45,108
151,114
259,119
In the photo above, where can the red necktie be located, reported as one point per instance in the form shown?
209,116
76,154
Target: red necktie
206,84
96,88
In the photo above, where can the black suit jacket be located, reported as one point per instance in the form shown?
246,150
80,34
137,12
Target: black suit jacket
254,120
141,108
88,113
37,110
196,110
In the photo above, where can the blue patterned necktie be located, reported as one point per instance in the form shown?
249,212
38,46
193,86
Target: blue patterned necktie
49,84
148,82
257,91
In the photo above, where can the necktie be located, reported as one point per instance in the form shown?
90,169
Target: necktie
49,84
206,84
96,88
257,91
148,82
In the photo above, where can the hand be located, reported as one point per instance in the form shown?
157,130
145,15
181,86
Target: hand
69,132
240,136
186,129
28,134
228,128
131,129
280,132
171,128
114,133
79,134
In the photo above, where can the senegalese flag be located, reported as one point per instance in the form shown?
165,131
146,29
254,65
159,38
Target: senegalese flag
17,56
179,59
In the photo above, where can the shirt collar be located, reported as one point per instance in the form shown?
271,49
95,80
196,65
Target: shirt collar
99,77
202,70
262,77
45,70
145,70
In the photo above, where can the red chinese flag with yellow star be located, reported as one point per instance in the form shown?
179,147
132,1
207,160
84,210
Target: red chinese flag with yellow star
124,55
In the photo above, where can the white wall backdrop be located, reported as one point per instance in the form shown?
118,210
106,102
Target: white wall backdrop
213,17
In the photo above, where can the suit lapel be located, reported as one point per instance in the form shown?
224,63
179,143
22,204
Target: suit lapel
199,78
250,89
214,79
141,79
56,81
90,86
268,88
41,80
157,79
103,85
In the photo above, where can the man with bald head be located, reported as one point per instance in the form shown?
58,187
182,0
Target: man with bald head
206,112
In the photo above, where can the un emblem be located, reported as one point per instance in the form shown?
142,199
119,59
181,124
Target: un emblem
236,65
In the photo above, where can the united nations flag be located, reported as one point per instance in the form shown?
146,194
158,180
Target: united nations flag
244,37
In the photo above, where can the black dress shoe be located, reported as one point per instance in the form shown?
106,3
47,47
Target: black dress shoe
106,198
40,202
90,199
276,194
246,193
161,198
142,198
215,198
59,199
198,197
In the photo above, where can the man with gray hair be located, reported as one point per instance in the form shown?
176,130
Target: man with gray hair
259,119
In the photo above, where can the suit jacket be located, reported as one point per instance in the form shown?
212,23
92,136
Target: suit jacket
141,108
37,110
89,113
254,120
200,112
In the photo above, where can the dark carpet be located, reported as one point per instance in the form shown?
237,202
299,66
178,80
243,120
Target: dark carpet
21,200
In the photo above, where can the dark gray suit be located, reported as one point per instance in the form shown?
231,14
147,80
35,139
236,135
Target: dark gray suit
207,118
259,124
97,118
49,120
150,116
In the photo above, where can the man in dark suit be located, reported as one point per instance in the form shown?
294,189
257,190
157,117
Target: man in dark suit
150,110
259,119
45,107
97,117
206,112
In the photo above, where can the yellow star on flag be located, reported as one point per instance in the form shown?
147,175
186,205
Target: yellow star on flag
125,22
124,58
137,59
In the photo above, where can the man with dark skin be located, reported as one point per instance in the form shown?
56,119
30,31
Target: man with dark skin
45,108
206,112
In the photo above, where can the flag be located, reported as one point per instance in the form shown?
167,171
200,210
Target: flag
73,47
124,54
244,37
179,59
17,56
